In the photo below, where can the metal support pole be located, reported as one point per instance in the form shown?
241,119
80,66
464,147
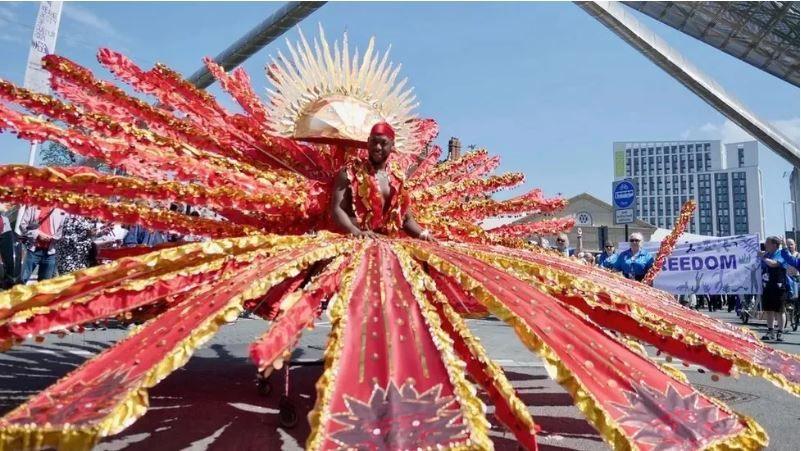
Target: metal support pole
254,40
32,153
645,41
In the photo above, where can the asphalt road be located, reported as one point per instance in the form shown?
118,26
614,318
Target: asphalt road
212,403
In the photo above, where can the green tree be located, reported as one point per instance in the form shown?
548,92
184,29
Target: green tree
55,154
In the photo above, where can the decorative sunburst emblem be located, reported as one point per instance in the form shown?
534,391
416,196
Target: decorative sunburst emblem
780,364
670,421
399,418
322,92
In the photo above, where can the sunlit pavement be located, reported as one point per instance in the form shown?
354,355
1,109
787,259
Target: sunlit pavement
213,403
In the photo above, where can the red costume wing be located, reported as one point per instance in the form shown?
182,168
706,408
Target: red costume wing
652,316
631,401
391,377
109,392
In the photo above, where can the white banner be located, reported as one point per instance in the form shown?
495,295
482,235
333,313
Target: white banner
726,265
43,43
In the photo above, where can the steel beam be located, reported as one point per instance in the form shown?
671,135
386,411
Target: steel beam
613,16
254,40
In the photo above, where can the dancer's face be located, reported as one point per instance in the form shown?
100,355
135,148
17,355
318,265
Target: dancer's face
379,147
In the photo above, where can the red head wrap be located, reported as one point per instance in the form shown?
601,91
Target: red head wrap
382,128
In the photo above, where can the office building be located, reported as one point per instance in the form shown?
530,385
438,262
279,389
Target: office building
725,180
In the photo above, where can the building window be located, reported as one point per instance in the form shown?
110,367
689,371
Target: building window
740,158
740,203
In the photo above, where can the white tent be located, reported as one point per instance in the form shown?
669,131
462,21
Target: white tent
661,234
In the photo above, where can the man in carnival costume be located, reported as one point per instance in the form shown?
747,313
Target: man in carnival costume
351,216
285,178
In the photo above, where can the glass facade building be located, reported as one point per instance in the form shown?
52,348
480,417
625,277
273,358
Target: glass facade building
724,180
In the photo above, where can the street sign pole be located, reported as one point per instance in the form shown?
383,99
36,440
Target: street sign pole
624,197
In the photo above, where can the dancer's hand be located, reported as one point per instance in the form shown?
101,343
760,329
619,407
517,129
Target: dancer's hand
426,236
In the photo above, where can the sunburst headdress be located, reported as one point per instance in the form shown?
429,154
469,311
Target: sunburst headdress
322,94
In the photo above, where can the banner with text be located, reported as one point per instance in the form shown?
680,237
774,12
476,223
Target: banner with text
43,43
726,265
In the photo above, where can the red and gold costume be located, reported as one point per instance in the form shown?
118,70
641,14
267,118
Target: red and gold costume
368,203
401,366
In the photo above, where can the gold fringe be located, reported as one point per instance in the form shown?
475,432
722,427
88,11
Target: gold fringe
338,309
167,258
473,409
611,432
588,290
135,403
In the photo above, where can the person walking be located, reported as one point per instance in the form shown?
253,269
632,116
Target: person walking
775,288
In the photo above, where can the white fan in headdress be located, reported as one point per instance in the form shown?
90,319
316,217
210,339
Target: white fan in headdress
319,94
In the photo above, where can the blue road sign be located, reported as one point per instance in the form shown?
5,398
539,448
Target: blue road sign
623,194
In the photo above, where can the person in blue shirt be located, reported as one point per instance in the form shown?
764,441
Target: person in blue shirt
608,252
634,262
788,257
138,235
776,286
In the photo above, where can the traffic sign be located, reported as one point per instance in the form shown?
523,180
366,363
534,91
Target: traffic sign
623,194
624,216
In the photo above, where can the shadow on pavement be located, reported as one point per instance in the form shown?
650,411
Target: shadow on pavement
213,403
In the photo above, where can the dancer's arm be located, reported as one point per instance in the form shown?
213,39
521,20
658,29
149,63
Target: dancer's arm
414,229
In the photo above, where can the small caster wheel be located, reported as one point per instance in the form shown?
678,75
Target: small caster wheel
286,413
263,386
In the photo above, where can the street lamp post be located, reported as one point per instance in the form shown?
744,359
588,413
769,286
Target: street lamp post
784,212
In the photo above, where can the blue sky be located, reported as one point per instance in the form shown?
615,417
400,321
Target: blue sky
541,84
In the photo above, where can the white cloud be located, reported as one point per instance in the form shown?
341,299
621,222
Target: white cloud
729,132
791,128
89,19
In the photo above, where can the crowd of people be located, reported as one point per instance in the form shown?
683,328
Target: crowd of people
52,242
633,263
779,267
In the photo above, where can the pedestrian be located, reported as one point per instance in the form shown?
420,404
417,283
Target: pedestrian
7,252
634,262
790,254
74,249
607,252
563,244
40,229
775,288
140,236
11,250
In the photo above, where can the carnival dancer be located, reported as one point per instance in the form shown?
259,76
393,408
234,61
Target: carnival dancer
287,177
385,183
